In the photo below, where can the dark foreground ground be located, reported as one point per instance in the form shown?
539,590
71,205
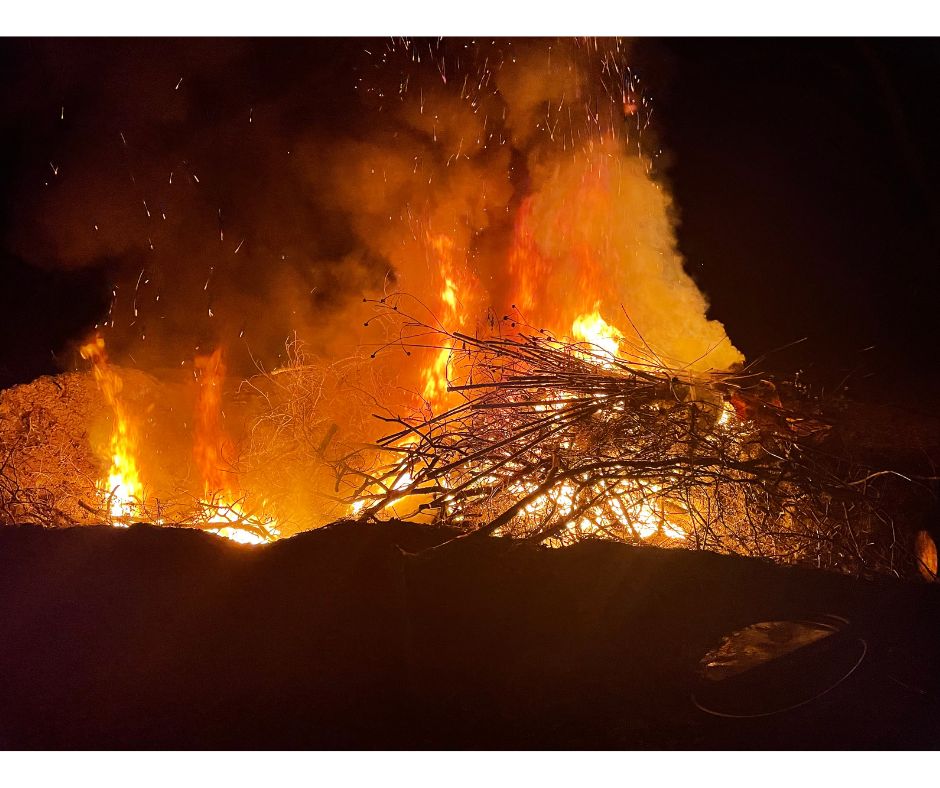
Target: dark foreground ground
361,637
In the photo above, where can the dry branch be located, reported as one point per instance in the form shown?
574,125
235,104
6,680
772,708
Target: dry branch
555,442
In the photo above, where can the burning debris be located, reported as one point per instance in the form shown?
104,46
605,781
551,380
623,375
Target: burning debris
50,474
489,173
544,439
121,490
555,441
222,506
303,416
48,468
243,459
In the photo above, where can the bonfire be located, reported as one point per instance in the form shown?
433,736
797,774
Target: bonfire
554,440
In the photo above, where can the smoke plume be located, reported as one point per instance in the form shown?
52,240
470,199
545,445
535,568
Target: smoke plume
244,191
244,195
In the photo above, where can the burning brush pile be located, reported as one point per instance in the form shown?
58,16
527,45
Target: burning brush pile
547,439
556,441
58,469
482,173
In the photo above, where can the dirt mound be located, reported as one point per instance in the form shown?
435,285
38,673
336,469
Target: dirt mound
382,637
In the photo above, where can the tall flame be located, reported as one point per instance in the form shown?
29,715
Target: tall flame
221,505
452,315
122,489
209,441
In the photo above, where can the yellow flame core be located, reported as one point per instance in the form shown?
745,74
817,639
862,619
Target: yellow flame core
444,258
602,338
122,490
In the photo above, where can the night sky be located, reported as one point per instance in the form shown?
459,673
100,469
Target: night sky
804,173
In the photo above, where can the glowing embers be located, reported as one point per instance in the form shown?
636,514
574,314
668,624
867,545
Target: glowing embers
236,523
628,511
380,492
121,492
728,417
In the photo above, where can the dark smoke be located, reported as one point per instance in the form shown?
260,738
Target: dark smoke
155,161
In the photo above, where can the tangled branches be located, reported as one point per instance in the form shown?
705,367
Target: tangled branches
43,470
299,419
553,442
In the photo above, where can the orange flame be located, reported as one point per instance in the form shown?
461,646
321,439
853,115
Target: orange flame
526,266
209,441
122,490
452,316
221,504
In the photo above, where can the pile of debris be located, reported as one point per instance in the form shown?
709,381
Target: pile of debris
555,442
54,437
47,466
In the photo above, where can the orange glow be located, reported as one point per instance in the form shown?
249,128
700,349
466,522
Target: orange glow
553,262
403,478
236,523
526,266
